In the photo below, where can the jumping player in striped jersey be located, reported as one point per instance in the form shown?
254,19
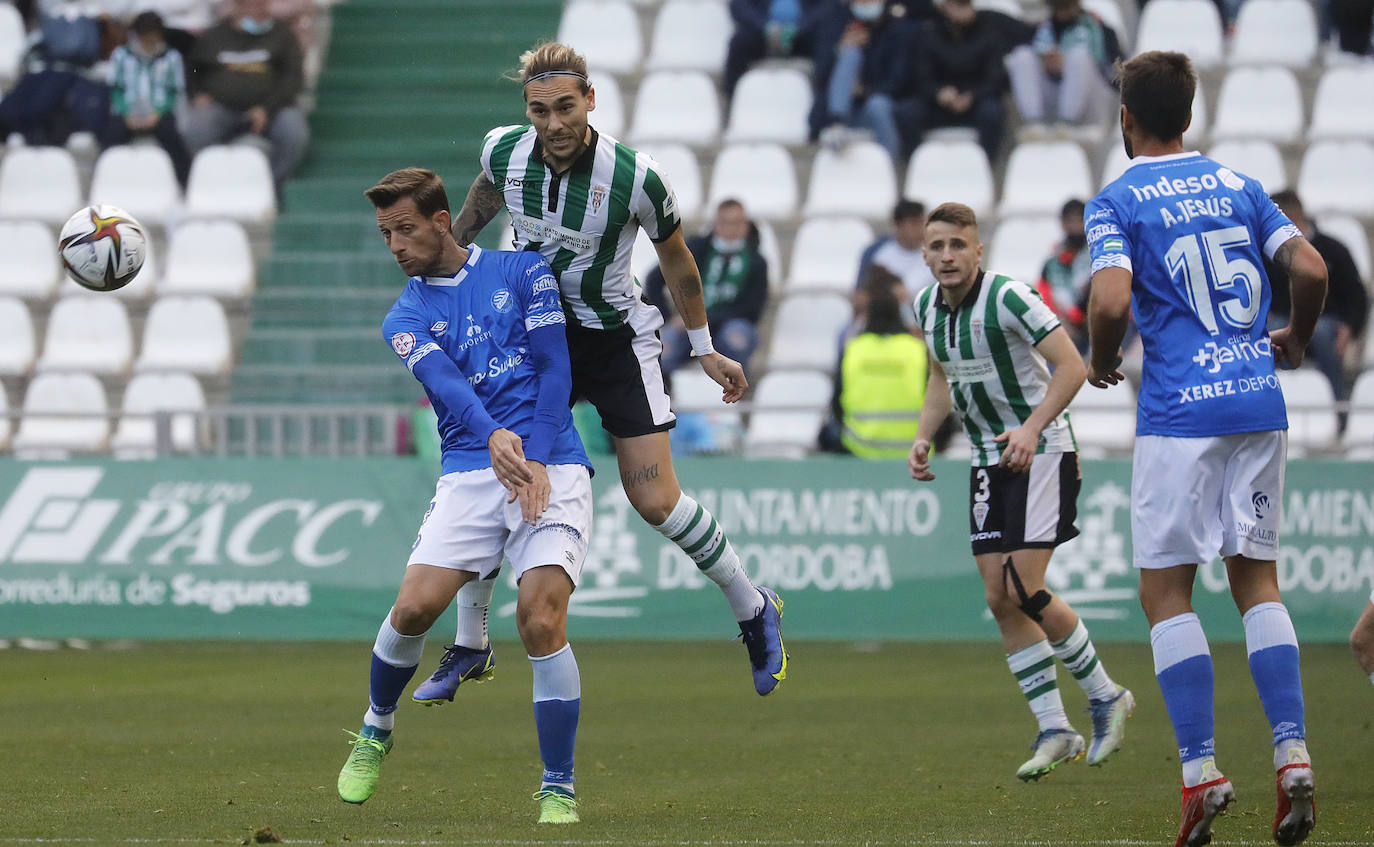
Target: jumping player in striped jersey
578,197
990,338
1178,239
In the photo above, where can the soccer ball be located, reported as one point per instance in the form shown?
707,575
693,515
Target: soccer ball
102,247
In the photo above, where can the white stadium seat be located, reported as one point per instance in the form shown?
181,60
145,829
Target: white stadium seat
39,183
1335,109
690,35
761,176
806,331
1020,246
1359,427
696,393
5,427
858,180
1103,421
1114,165
676,106
186,334
1196,133
1259,103
958,171
768,246
88,332
1351,233
29,266
825,254
770,104
12,45
1338,176
609,115
644,257
209,257
136,435
63,412
605,32
231,181
138,179
1109,12
1278,32
682,172
1188,26
1041,175
1258,159
17,342
789,409
1311,409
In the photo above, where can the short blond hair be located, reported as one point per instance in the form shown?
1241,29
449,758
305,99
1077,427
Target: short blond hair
953,213
550,57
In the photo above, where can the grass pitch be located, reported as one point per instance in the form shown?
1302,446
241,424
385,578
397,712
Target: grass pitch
864,744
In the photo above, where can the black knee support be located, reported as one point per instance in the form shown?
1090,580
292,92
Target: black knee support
1031,604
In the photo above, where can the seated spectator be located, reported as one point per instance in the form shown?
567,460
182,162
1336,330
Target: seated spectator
1065,276
881,384
903,252
777,28
183,21
734,287
246,73
59,92
1354,22
147,86
1347,303
1065,73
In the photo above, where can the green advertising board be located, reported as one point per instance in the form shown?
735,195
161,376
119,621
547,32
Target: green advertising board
314,549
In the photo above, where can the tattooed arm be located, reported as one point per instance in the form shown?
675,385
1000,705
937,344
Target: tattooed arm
484,202
1307,280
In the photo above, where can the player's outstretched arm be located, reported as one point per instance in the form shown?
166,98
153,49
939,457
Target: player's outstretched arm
483,203
1307,280
1109,313
933,414
684,285
1067,378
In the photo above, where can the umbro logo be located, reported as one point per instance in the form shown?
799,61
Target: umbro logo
439,327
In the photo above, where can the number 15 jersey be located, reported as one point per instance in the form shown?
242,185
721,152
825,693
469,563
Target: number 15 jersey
1191,232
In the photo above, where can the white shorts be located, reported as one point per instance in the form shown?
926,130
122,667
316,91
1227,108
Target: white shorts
470,526
1192,498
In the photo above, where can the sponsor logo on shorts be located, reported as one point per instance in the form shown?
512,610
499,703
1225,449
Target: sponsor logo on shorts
1260,501
555,526
985,536
403,343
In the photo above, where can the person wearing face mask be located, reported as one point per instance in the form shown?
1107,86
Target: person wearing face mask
246,73
147,84
781,28
1065,275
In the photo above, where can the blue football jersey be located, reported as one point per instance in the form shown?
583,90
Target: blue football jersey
1193,234
481,318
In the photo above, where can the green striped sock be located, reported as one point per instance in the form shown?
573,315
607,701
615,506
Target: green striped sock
1080,658
1034,670
695,530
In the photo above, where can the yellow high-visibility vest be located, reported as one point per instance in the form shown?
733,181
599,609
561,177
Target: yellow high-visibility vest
882,392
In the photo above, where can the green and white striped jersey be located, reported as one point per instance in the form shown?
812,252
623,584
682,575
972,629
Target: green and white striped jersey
583,220
986,347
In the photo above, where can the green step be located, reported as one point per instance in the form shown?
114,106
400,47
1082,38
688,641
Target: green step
389,383
344,231
324,307
326,270
317,346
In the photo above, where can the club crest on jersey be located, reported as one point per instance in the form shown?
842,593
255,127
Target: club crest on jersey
980,514
403,343
439,327
976,330
501,301
598,197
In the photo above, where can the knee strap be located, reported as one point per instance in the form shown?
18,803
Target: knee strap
1031,604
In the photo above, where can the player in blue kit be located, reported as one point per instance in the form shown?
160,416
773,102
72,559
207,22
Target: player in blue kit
1179,239
483,332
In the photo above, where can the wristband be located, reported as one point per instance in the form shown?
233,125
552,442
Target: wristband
701,341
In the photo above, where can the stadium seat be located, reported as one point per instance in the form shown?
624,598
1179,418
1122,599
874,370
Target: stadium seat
772,253
88,332
12,44
63,412
1103,421
696,393
1259,103
1311,409
950,170
770,104
1114,165
1041,175
761,176
676,106
609,115
1188,26
5,427
136,434
186,334
605,32
29,266
1338,177
690,35
858,180
1196,133
138,179
1258,159
209,257
39,183
1351,233
1334,110
806,331
1358,439
16,337
231,181
1020,246
682,172
789,409
1275,32
825,254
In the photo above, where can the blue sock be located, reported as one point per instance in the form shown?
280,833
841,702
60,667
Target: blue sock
1183,665
1273,648
557,703
394,660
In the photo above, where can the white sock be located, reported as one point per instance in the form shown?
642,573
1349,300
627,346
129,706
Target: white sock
1033,668
1198,771
1080,658
697,533
473,600
385,722
1291,751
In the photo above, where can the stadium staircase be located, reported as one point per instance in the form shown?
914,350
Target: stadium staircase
406,82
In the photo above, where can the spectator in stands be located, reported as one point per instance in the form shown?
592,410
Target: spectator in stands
1354,22
902,253
183,21
770,28
246,73
147,86
1066,274
1347,303
1065,73
734,286
60,92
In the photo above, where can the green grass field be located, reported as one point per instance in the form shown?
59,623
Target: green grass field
864,744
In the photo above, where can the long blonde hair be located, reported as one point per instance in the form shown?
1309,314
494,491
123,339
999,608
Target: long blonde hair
550,57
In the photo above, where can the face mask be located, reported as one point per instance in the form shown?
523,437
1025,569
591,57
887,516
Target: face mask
727,245
255,26
866,11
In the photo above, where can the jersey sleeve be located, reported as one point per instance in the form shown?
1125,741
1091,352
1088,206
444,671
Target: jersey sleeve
537,292
406,330
655,204
1105,227
489,152
1272,225
1030,317
408,333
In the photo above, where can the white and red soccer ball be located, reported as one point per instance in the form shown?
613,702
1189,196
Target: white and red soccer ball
102,247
